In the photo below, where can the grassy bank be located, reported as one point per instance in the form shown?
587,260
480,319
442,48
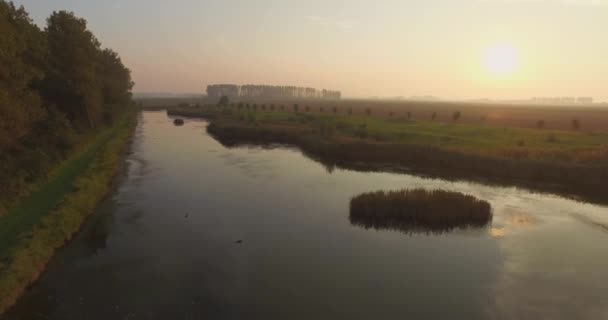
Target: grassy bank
34,229
569,163
419,210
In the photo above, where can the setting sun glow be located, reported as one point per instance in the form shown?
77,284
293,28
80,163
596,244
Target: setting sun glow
501,59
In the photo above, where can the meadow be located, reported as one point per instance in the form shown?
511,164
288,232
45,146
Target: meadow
567,146
590,118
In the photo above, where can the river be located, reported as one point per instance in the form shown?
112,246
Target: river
196,230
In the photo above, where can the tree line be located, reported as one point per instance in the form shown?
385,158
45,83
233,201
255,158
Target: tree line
57,85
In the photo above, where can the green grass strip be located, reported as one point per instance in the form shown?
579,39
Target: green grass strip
46,219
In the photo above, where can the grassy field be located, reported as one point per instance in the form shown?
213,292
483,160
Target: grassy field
515,143
42,222
588,118
560,117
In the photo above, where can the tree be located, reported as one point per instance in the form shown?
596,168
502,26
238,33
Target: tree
576,124
116,84
296,108
21,66
224,101
72,82
456,116
434,116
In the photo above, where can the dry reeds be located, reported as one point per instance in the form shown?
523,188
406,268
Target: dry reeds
419,210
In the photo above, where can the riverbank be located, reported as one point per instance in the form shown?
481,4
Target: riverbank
568,163
44,221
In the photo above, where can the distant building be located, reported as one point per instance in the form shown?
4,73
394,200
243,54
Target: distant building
216,91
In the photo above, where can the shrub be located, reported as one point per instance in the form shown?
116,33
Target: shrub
434,116
368,111
576,125
456,116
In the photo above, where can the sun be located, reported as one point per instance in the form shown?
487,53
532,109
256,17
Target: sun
501,59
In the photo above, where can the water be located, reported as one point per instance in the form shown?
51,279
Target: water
165,245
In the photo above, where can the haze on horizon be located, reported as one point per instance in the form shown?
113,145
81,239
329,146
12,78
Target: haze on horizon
498,49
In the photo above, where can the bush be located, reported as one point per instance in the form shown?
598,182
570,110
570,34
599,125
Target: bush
456,116
434,116
576,125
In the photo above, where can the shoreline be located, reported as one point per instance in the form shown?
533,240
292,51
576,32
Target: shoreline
574,182
581,182
34,249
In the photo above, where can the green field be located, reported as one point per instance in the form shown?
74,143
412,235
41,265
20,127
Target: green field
509,142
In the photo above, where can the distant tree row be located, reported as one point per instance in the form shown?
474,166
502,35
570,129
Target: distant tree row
55,85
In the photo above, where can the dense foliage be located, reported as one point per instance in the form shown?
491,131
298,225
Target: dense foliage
57,86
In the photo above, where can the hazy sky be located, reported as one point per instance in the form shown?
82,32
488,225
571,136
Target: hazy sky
446,48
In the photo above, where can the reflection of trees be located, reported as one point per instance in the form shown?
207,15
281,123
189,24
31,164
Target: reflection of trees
96,237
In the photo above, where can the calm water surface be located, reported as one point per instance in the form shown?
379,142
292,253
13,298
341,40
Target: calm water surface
164,245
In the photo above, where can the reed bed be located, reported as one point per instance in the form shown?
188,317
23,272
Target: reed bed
419,210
